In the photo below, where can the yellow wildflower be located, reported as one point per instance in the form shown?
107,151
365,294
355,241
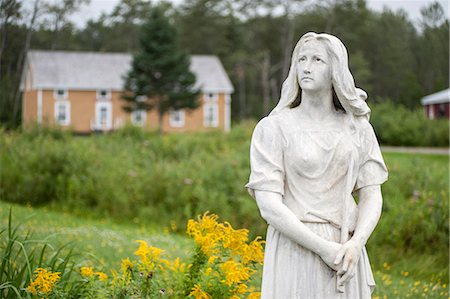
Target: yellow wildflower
255,295
235,272
44,281
206,232
148,254
211,259
386,266
126,265
102,276
252,252
198,293
87,271
234,239
241,288
175,266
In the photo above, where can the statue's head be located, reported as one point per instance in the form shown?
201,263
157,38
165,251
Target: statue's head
350,98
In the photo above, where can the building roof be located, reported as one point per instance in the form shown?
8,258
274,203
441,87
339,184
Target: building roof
93,71
442,96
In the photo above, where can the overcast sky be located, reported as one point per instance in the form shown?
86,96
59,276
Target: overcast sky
412,7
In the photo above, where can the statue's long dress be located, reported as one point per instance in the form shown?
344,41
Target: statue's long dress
315,171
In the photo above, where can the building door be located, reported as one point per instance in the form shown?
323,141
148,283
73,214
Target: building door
103,116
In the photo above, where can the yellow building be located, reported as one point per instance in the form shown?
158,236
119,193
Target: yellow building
82,92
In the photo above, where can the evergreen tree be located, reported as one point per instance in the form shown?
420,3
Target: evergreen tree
159,78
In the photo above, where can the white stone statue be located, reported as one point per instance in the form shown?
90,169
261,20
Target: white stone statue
314,150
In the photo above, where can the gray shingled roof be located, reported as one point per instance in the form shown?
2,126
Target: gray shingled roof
439,97
92,71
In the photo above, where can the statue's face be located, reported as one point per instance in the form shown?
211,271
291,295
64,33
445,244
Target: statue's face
314,67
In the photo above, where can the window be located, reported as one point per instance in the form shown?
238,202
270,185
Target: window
176,118
60,94
441,110
103,95
210,115
211,96
103,115
138,117
62,113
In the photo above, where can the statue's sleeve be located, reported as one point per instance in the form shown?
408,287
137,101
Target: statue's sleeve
372,170
266,158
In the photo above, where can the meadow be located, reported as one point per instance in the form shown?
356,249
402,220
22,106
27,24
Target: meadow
102,192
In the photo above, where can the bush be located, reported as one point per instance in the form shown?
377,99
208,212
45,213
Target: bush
396,125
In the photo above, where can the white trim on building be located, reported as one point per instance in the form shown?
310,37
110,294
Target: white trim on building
211,96
103,116
103,95
176,118
60,94
211,115
39,106
139,117
62,112
227,113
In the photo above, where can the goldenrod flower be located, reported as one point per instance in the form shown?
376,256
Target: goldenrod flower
175,266
255,295
235,272
148,254
241,288
102,276
126,265
198,293
44,281
87,271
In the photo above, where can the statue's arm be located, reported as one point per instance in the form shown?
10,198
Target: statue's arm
278,215
370,204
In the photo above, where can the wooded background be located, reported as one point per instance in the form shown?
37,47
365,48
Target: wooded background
391,57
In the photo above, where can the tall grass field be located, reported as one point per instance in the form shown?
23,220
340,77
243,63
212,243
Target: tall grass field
100,193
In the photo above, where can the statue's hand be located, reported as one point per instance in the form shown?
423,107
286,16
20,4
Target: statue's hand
348,257
329,253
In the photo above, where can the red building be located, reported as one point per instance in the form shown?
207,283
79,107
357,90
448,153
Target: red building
436,105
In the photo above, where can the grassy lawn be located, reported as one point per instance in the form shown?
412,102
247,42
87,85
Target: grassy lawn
101,242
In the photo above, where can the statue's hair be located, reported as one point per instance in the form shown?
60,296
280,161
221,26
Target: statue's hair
350,97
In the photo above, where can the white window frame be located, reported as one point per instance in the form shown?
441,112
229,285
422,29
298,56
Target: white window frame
211,96
134,119
173,121
101,97
66,105
57,96
98,107
214,123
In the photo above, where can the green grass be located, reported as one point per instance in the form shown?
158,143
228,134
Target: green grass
101,242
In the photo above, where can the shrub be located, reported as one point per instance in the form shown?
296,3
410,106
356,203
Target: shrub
396,125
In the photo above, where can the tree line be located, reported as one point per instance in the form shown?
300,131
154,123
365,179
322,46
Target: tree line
391,57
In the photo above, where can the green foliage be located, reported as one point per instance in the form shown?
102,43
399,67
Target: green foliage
396,125
21,254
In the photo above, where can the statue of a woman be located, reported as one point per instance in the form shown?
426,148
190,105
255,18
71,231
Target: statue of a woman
314,150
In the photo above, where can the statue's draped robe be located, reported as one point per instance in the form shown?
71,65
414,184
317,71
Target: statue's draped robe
315,172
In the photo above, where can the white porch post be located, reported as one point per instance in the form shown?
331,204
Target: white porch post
227,113
39,106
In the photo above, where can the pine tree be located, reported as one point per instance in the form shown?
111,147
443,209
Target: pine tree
159,77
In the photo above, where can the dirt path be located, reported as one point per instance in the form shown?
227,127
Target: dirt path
416,150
